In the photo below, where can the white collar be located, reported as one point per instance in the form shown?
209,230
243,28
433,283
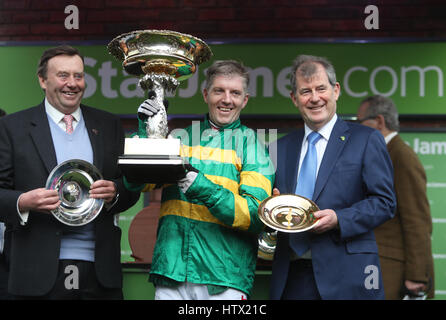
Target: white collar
57,116
390,136
325,131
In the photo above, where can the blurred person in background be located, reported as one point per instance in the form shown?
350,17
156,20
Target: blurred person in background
404,242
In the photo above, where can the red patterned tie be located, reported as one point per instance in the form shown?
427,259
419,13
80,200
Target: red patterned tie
68,119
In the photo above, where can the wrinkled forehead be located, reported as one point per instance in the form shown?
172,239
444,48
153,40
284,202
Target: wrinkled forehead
231,80
66,63
311,73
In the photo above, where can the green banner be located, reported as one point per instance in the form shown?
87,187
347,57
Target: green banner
414,81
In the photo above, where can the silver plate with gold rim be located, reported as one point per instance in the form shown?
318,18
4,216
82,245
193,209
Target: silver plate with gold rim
288,213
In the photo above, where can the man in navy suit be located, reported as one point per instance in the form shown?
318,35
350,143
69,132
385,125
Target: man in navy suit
353,190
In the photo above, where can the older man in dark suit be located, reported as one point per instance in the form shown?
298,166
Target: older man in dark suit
43,251
349,177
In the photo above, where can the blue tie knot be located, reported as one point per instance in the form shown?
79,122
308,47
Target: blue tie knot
314,137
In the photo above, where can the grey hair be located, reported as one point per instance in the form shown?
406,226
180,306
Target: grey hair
227,68
306,66
380,105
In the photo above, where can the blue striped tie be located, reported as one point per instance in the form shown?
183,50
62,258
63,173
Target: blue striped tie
305,187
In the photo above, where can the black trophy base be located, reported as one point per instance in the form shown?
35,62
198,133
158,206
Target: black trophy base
152,168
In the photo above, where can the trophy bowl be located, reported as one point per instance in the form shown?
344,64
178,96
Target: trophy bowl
288,213
72,180
160,52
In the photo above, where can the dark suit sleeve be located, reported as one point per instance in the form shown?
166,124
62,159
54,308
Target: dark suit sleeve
126,198
377,183
8,195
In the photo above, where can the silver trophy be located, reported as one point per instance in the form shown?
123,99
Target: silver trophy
162,59
72,180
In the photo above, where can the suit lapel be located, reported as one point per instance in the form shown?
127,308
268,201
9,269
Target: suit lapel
94,130
292,152
338,138
41,136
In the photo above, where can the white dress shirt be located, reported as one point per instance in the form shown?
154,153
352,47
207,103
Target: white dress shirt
390,136
57,116
320,145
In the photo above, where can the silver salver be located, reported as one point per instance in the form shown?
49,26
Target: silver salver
72,180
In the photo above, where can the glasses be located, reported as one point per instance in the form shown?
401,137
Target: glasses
365,119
